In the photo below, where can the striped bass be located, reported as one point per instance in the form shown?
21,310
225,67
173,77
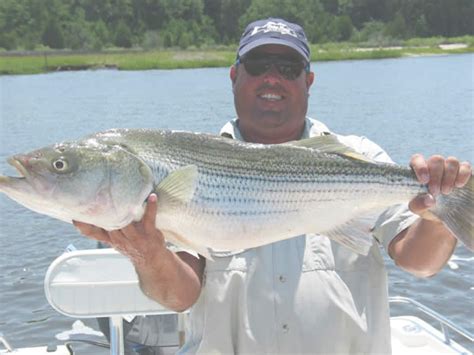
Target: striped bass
222,194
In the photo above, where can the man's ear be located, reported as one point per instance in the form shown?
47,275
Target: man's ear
309,79
233,74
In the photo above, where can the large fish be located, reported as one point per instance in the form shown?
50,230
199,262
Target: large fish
218,193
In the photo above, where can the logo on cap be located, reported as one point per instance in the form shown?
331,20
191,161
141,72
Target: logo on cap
274,27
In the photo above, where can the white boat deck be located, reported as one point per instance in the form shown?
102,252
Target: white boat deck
413,336
75,288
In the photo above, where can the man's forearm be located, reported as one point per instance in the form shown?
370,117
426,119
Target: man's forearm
423,248
173,280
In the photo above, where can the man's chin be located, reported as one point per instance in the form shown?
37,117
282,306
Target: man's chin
273,119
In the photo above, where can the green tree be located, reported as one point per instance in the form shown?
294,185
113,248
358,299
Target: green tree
397,28
53,36
363,11
420,28
123,35
343,28
81,24
372,32
186,10
152,40
450,17
225,14
16,25
151,12
308,13
101,34
185,40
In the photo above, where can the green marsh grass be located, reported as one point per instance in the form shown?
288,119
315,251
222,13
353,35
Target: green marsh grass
50,61
33,63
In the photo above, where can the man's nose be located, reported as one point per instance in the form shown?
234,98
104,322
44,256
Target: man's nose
272,75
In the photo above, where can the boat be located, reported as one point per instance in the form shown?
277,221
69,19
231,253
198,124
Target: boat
74,288
413,335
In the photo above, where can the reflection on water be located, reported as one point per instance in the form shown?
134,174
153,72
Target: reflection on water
406,105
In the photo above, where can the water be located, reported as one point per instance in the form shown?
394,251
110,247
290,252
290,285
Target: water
421,104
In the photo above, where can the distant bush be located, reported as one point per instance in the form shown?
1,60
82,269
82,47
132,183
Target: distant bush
374,34
123,35
152,40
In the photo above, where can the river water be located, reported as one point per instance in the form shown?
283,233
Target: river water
408,105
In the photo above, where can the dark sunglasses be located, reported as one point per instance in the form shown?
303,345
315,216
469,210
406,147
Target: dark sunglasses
288,67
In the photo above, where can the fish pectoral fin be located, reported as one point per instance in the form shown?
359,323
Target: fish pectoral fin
178,187
331,145
187,245
355,234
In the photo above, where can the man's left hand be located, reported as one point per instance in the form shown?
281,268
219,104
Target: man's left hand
442,175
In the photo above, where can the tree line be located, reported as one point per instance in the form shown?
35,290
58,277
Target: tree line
99,24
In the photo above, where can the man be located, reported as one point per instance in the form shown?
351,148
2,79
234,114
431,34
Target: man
306,294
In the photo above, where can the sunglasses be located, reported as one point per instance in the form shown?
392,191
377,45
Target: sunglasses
288,67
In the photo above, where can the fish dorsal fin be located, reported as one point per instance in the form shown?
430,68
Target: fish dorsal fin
178,187
331,145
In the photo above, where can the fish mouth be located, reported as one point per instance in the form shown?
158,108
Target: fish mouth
19,167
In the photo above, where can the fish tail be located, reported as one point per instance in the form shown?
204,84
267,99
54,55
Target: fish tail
456,210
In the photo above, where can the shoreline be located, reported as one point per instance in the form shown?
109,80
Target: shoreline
37,62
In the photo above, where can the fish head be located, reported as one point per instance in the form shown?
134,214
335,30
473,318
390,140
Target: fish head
88,181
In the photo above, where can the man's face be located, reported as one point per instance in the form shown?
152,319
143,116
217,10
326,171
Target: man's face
270,107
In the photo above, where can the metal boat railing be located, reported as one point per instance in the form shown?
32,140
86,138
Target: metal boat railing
5,343
443,321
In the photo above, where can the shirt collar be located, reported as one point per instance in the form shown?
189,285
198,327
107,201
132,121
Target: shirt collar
312,128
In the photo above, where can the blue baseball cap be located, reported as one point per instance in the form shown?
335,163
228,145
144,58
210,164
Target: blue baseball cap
274,31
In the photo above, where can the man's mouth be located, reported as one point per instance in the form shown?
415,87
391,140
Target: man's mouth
270,97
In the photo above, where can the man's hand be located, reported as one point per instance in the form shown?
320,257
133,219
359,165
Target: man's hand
174,280
442,175
425,247
140,241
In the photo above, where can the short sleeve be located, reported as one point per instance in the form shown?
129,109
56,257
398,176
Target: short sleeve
391,222
176,249
366,147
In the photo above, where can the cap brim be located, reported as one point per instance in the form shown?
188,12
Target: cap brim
264,41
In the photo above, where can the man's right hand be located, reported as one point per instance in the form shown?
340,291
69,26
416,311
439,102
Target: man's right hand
174,280
140,241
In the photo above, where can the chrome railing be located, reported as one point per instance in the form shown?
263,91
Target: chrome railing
5,343
443,321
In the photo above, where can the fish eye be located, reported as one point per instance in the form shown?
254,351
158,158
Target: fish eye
60,164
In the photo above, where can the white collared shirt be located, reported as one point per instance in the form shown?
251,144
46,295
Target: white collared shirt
307,294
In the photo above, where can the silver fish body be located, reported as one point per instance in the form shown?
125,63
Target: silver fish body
222,194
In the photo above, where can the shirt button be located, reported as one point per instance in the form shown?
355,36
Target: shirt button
285,328
282,278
